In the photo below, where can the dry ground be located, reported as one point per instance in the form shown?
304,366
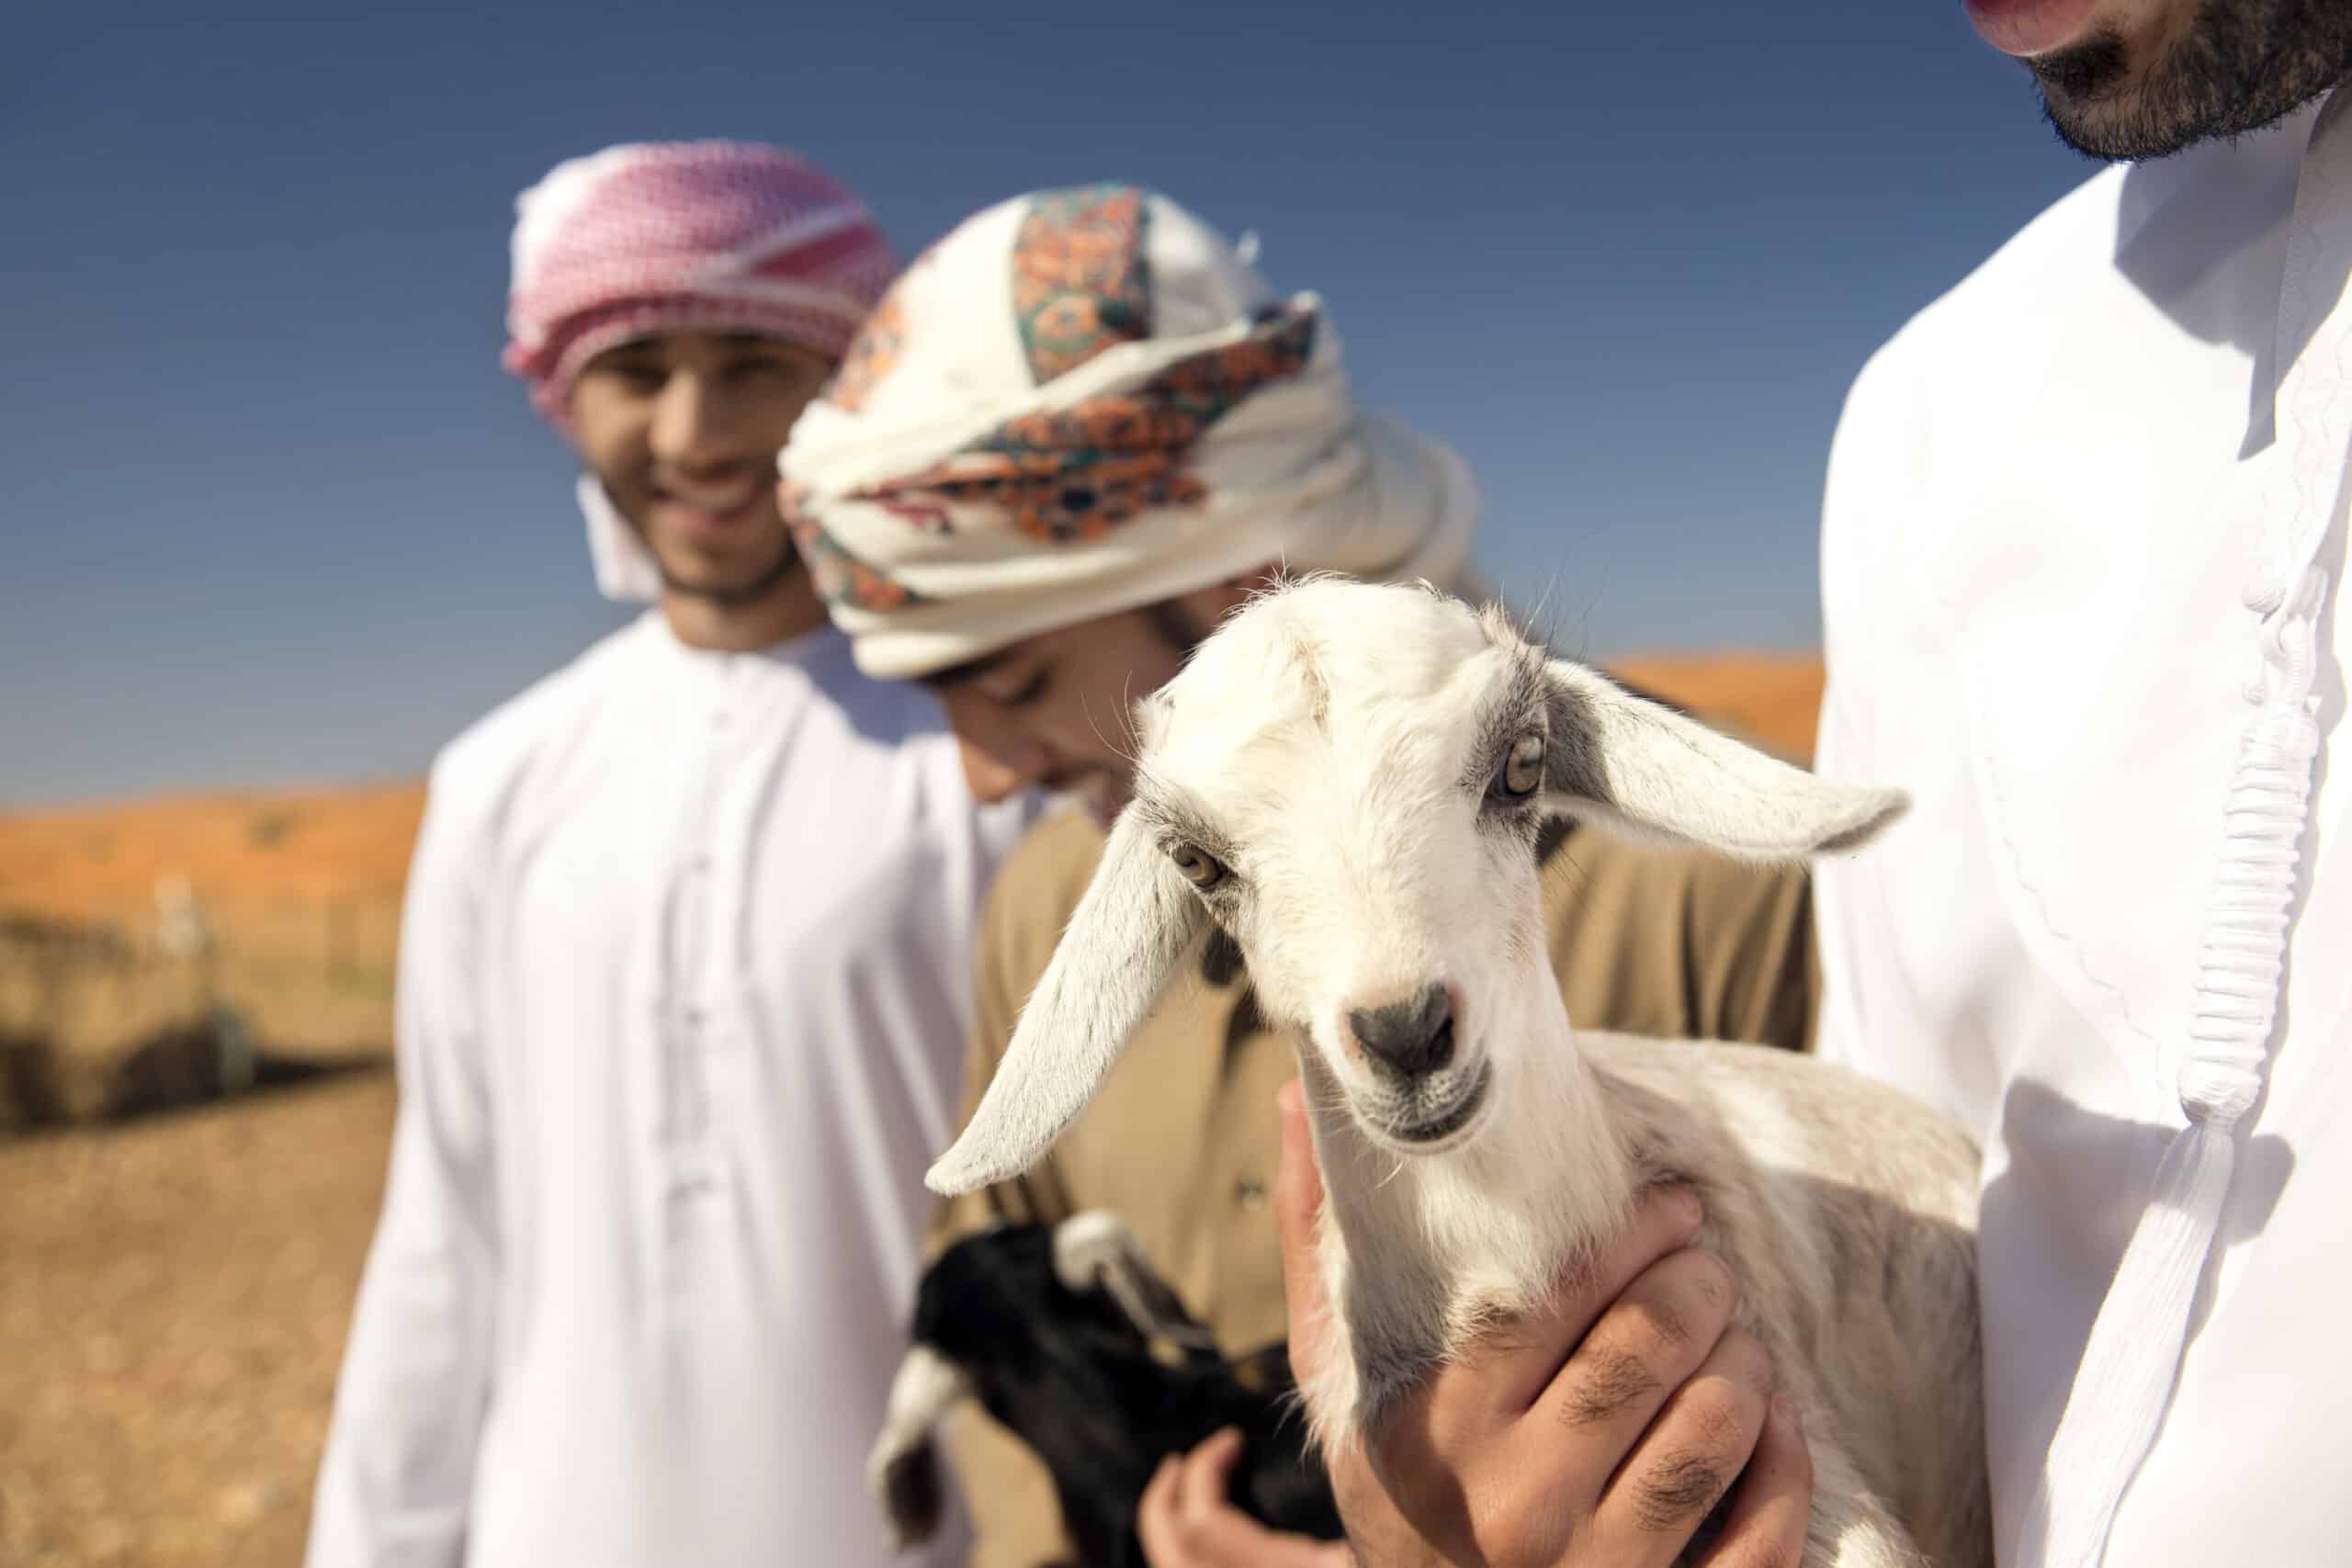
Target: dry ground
174,1293
172,1304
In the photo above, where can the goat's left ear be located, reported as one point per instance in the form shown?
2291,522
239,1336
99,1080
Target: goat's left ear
1626,762
902,1468
1138,919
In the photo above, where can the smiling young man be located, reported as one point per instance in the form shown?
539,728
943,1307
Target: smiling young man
684,963
1079,431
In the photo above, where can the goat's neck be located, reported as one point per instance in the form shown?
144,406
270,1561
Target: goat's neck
1492,1225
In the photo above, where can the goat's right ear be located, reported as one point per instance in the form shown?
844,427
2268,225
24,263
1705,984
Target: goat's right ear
1633,764
1140,917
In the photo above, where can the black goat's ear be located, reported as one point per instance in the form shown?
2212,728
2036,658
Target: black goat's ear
902,1471
1096,1251
1138,919
1638,768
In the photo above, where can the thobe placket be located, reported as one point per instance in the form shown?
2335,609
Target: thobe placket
693,1019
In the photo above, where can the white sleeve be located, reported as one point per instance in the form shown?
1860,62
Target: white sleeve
1862,519
394,1488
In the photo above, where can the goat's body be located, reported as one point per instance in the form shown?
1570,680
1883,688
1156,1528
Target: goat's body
1846,1213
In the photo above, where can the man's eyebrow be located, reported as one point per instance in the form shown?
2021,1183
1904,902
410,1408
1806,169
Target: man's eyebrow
971,669
751,340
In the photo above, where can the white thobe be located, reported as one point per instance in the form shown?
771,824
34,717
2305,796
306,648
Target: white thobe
2070,509
682,1005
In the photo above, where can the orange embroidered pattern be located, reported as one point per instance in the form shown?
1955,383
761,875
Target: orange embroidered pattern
1079,280
840,577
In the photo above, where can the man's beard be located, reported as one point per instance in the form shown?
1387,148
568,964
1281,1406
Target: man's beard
735,595
2240,65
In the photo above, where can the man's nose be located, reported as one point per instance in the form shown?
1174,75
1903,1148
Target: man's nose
1412,1037
692,422
1001,757
992,777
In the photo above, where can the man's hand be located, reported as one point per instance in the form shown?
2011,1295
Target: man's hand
1596,1433
1187,1521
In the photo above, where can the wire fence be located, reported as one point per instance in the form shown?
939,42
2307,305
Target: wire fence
101,1020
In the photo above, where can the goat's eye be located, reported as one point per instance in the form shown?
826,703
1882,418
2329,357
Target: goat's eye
1522,771
1200,868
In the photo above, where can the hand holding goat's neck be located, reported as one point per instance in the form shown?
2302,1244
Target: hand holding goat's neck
1489,1227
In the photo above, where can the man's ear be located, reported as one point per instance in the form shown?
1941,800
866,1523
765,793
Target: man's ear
1622,762
1138,920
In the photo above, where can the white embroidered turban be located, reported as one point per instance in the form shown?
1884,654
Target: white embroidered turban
1082,402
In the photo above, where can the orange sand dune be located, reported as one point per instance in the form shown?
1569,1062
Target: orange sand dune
1774,698
102,862
248,850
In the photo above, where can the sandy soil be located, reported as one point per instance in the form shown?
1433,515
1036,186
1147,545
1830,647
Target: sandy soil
173,1306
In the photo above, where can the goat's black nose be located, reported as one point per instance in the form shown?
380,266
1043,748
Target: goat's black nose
1414,1036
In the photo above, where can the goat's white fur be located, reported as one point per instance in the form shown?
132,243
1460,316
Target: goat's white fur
1331,745
1138,907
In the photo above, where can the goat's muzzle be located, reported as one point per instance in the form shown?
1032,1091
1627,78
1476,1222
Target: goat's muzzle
1409,1039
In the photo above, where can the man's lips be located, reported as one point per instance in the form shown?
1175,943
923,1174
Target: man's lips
2027,27
709,519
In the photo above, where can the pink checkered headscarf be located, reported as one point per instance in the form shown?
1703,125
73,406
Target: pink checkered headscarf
708,236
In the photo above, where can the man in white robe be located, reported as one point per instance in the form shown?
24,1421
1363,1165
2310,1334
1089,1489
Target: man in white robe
2081,554
685,968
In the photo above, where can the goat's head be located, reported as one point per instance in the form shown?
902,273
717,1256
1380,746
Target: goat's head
1349,780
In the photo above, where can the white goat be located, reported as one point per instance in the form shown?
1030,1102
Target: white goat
1349,780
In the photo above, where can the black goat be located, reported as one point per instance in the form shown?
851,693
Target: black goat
1068,1338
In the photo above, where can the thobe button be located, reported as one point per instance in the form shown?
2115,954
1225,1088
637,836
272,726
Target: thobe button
1250,1193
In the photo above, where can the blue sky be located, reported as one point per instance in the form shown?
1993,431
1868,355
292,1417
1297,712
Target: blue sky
274,515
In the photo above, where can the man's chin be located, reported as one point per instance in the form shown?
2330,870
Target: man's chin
727,584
